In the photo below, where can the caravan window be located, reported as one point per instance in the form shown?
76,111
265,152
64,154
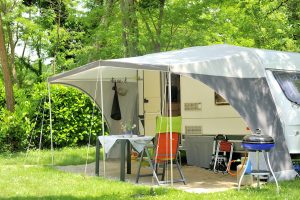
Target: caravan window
290,84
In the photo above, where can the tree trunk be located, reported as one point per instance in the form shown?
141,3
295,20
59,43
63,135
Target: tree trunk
159,25
125,22
9,94
40,63
108,12
154,35
130,33
12,45
134,30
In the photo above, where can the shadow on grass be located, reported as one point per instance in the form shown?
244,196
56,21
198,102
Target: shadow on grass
139,193
74,159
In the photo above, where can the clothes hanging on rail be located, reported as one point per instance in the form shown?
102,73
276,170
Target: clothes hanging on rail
115,110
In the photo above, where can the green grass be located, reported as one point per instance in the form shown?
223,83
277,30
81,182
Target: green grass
65,156
18,181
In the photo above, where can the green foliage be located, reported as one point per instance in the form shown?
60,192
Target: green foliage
72,117
71,113
67,34
15,127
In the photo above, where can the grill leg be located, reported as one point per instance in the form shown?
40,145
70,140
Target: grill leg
257,164
242,176
269,165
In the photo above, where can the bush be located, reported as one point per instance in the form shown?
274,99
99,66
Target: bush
72,119
14,127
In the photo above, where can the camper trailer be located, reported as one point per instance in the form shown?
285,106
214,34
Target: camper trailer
204,113
285,89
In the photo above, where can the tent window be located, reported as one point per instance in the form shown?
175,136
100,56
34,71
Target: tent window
290,84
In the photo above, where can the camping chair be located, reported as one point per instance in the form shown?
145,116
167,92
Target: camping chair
162,154
217,138
221,160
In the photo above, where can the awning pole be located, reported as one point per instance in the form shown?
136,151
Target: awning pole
102,118
51,132
91,126
170,118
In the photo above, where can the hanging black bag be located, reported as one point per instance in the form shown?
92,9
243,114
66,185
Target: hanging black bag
115,110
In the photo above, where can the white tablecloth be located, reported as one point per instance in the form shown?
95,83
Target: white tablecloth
138,142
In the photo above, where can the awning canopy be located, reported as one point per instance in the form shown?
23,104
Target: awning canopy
215,60
236,73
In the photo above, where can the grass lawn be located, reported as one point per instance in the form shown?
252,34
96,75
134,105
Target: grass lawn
31,181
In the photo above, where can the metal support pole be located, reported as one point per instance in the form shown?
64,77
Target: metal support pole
51,132
102,118
170,117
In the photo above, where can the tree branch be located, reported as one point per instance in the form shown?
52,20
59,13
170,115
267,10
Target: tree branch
148,28
277,8
27,65
153,23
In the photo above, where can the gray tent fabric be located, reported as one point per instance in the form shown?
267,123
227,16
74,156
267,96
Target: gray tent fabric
252,99
115,110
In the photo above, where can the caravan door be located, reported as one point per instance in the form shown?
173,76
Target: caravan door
152,100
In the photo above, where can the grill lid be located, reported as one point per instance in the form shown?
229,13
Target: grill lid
257,138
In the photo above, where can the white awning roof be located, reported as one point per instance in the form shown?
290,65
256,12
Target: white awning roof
215,60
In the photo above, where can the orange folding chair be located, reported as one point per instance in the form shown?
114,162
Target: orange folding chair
165,150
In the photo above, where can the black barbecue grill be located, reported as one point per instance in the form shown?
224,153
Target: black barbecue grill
258,143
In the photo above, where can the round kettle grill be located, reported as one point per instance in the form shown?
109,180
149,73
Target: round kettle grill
258,142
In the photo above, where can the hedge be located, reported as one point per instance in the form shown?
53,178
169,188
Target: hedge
72,119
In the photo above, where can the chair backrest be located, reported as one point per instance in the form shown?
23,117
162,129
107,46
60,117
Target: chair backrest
163,138
225,146
163,124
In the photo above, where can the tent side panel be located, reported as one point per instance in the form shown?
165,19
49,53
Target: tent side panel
127,103
252,98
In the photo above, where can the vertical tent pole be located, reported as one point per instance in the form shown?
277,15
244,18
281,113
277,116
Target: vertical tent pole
90,131
170,117
41,133
51,132
102,118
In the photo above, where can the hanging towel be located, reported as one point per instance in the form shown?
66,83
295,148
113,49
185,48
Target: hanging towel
115,110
